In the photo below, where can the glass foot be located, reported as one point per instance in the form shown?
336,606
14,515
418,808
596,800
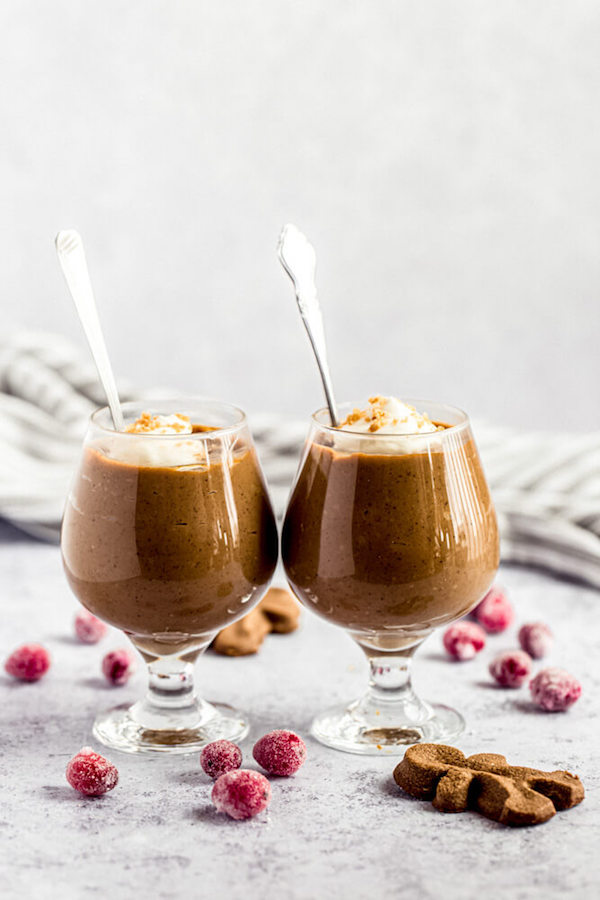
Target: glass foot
120,728
348,729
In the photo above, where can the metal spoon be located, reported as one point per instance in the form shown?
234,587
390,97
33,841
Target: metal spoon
298,258
71,256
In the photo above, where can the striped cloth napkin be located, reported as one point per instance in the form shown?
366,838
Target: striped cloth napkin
546,487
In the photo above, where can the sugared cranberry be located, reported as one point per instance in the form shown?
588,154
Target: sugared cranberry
464,640
28,663
554,689
91,774
220,757
495,612
536,639
280,752
118,666
88,628
511,669
241,793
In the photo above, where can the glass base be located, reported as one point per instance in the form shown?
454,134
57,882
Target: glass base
347,729
120,728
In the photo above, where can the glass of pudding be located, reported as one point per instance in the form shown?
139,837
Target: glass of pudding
169,535
390,532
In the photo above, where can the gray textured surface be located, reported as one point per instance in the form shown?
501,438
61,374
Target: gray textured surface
339,828
442,156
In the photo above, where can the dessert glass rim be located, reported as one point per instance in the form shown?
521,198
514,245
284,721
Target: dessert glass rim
463,422
167,402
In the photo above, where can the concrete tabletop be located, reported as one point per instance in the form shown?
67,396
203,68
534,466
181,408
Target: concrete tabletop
340,827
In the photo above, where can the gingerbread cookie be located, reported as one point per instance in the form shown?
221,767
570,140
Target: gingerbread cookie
243,637
512,795
277,612
281,609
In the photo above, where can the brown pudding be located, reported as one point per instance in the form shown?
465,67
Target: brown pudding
169,554
394,543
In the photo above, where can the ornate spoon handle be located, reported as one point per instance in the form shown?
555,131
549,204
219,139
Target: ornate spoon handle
71,256
298,258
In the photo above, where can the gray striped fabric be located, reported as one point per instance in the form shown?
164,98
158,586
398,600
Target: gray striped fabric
546,487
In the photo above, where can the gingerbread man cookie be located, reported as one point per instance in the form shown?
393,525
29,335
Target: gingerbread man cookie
277,613
512,795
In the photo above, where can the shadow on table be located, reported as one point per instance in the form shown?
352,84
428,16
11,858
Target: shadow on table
193,777
66,794
208,813
434,656
529,708
99,684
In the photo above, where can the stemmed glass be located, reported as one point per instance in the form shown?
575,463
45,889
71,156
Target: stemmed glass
169,538
390,537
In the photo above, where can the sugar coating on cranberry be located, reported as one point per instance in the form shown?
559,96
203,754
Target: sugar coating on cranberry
28,663
511,669
241,793
536,639
118,666
88,628
554,689
220,757
280,752
464,640
91,774
495,612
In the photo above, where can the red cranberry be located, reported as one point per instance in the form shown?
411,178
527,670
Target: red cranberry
554,689
536,639
280,752
464,640
118,666
495,612
88,628
28,663
91,774
220,757
241,793
511,669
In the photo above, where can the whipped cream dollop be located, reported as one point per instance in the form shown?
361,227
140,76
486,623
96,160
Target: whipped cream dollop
149,450
387,415
149,424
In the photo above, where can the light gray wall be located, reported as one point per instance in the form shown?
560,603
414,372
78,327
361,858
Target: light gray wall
443,156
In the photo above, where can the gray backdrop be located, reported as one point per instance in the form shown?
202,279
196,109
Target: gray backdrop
443,157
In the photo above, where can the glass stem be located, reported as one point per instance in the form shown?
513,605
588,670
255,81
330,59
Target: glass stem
389,675
170,700
170,683
390,698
